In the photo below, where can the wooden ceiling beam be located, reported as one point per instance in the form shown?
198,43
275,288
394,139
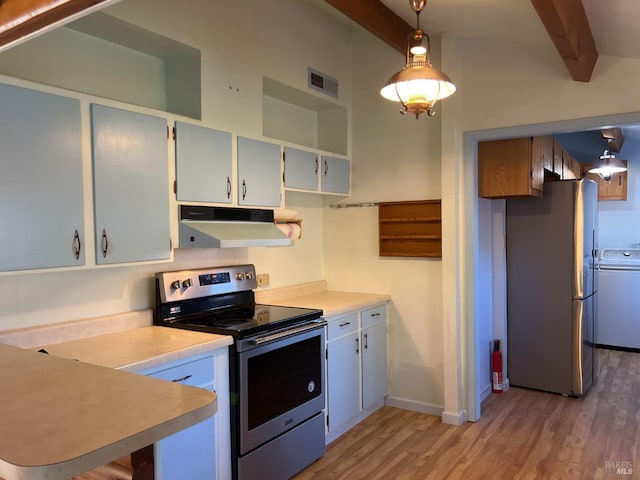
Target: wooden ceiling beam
378,19
567,25
22,18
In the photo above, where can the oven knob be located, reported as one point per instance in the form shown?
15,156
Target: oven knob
249,275
239,276
186,283
175,285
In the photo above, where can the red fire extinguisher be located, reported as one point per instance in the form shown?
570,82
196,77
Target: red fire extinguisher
496,373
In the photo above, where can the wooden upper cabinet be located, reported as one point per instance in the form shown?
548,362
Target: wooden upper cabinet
543,146
570,167
510,168
558,155
614,189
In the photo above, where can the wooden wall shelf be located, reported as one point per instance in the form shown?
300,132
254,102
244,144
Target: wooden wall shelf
410,229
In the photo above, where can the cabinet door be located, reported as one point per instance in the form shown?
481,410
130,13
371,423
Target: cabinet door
203,164
301,169
374,364
41,180
189,453
343,379
505,169
336,175
131,185
258,173
557,158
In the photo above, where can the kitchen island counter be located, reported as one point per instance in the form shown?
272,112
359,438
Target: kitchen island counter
58,414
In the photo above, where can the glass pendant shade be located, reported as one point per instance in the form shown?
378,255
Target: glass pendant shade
418,86
607,165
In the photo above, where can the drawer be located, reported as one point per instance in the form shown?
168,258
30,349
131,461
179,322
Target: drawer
343,325
374,315
197,373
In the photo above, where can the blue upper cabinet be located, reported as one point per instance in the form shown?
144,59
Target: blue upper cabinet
131,186
203,164
41,193
259,182
301,169
336,175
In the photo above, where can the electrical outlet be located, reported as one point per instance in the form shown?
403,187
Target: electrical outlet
263,279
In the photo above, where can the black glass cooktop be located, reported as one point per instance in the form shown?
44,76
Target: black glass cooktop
246,321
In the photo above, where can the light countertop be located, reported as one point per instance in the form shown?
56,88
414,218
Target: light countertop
315,295
63,417
139,348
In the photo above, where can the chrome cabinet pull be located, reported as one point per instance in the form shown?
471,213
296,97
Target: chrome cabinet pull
375,314
228,187
366,341
317,166
244,189
104,243
179,380
344,324
326,167
357,345
77,245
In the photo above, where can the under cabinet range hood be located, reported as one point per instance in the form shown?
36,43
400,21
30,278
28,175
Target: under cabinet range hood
225,227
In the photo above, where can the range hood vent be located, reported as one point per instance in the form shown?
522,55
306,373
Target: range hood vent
224,227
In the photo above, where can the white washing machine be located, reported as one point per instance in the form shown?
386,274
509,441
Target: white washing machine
618,298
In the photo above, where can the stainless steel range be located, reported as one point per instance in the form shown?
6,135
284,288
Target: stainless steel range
276,366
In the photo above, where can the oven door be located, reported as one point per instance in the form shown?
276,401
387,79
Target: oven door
282,384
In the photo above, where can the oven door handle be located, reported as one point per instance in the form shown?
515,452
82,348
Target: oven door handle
286,333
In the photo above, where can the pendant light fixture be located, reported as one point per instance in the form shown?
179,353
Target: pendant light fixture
607,166
418,86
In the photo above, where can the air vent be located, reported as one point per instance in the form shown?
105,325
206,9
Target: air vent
323,83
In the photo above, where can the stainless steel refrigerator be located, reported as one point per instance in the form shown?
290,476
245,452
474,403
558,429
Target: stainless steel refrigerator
552,288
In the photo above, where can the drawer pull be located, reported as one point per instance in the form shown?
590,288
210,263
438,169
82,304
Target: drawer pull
345,324
375,314
178,380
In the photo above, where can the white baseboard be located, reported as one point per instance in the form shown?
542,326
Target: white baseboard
454,418
486,391
451,418
414,406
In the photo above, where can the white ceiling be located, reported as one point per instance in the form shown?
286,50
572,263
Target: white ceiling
614,23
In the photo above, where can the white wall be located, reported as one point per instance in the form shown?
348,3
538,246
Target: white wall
394,158
618,220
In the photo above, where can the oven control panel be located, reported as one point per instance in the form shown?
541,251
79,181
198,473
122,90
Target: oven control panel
203,282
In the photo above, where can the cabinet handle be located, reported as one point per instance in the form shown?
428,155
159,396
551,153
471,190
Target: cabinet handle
620,180
317,166
345,324
357,345
244,189
105,244
366,341
77,245
179,380
228,187
375,314
326,167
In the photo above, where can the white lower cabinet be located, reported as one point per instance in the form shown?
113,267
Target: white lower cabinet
203,450
356,367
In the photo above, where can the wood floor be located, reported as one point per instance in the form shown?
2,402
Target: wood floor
523,434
